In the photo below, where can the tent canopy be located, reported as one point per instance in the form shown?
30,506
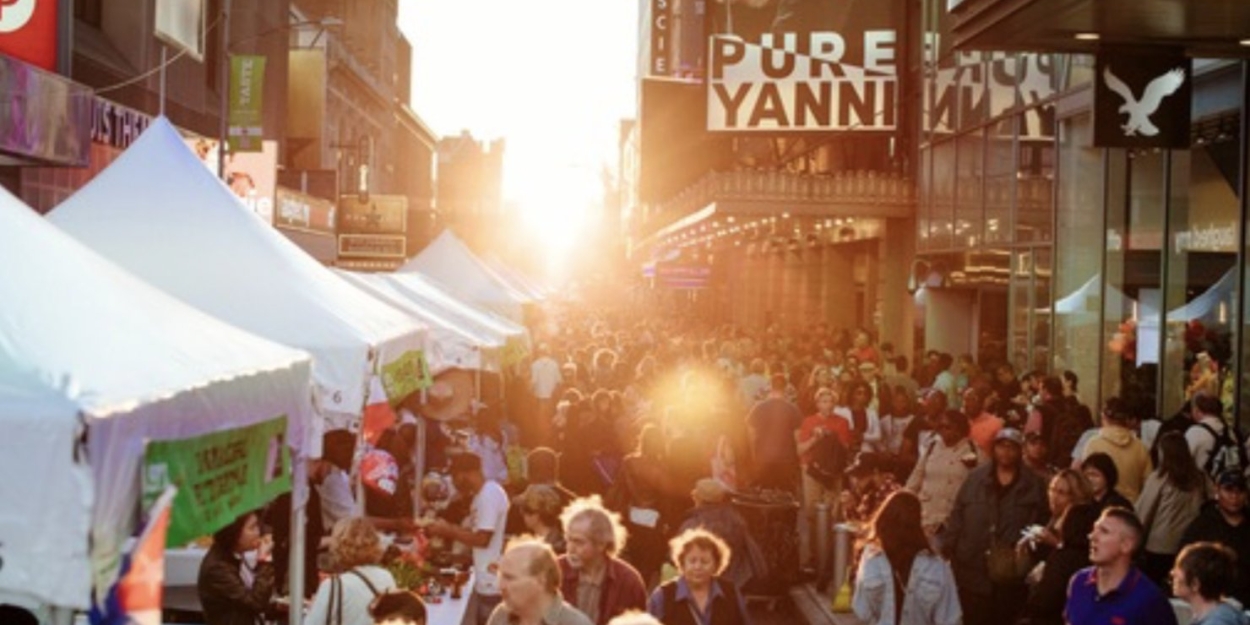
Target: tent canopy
159,213
135,362
451,345
449,261
515,279
438,297
45,522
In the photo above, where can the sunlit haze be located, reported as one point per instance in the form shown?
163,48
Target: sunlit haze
554,79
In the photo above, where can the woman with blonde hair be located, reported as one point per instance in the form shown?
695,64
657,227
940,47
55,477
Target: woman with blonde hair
344,598
540,508
1068,488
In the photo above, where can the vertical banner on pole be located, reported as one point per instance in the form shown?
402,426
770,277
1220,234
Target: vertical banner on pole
247,85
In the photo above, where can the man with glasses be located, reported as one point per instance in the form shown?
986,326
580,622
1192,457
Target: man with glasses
1113,591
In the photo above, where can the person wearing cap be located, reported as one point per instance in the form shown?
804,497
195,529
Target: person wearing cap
482,529
1223,520
1036,456
871,482
994,506
714,512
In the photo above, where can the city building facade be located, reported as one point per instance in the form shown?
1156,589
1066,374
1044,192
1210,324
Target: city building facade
102,84
772,163
1081,222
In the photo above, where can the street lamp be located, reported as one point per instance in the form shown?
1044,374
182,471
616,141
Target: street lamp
223,128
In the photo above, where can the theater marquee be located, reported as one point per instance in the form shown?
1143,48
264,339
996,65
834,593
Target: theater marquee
819,81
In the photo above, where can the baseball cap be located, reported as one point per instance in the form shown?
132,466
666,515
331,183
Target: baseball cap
1009,434
1231,478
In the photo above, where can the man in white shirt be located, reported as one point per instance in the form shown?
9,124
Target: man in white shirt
1206,412
482,529
545,378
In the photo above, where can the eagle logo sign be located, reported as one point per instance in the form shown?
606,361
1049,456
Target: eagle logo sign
1139,111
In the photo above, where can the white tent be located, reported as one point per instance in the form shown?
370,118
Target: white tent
1081,300
136,363
451,346
449,261
159,213
515,279
434,295
44,522
1206,306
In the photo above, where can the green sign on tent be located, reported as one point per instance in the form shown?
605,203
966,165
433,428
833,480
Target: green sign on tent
219,476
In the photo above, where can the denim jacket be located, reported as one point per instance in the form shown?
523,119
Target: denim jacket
930,599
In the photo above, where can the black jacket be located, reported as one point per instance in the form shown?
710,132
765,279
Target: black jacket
1211,526
1048,596
224,597
982,505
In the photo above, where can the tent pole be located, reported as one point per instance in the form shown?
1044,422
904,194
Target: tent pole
299,505
418,502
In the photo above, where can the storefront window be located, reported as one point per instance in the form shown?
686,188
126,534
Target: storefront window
1000,181
1035,175
942,199
1078,255
923,239
1132,299
969,213
1201,273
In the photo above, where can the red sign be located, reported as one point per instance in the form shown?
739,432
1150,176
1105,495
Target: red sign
28,31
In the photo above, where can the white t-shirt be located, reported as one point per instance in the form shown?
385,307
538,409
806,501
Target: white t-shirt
544,377
489,513
337,501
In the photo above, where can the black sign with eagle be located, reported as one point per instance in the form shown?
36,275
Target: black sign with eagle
1142,100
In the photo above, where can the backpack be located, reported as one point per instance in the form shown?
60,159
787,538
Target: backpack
1227,454
829,459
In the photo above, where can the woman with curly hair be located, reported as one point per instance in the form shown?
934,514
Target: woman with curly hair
344,598
699,596
540,507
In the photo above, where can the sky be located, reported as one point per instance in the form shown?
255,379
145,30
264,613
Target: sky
554,80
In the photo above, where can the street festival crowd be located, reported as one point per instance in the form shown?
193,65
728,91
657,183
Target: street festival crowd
643,470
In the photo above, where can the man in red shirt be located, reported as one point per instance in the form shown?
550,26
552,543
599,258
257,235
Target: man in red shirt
822,428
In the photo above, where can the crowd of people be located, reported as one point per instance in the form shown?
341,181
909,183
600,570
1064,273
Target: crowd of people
606,490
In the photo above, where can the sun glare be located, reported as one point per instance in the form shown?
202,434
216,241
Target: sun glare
553,203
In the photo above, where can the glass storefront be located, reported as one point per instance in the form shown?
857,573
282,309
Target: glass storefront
1125,265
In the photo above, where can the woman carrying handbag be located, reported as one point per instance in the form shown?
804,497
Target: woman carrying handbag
344,598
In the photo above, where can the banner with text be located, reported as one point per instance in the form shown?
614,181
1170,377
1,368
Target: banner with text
247,114
406,375
816,81
219,476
